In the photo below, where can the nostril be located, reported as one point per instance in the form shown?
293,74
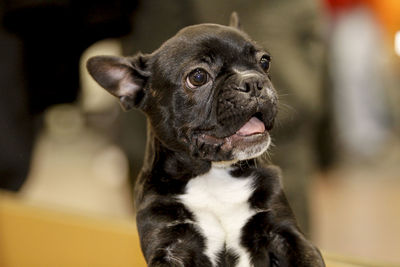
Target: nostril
248,87
260,85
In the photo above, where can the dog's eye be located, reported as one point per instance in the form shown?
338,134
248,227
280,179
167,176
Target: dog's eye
265,62
197,78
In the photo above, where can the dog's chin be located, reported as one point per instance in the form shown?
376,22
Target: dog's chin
250,141
249,147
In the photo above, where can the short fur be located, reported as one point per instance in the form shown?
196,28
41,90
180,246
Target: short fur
201,198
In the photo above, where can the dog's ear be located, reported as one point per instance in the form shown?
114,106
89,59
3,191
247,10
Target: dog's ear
123,77
234,21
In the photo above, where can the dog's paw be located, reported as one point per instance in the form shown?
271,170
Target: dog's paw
306,255
163,258
179,254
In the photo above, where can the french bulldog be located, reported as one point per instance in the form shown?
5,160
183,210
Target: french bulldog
202,197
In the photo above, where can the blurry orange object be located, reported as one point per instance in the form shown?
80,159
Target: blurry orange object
388,13
33,235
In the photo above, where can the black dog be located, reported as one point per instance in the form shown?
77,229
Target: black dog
201,198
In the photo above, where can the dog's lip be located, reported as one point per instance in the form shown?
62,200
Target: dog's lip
234,140
252,130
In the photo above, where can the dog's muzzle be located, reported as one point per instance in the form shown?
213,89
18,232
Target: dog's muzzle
245,113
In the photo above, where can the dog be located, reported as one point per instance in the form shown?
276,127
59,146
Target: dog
202,196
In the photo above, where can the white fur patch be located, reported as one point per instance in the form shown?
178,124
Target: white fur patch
220,205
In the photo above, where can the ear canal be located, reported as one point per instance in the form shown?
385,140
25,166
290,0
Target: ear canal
234,21
122,77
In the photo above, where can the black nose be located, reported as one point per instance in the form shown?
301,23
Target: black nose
252,85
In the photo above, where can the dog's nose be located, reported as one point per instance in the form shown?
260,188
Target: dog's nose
249,81
253,86
250,85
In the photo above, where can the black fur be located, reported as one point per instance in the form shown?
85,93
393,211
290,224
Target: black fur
189,128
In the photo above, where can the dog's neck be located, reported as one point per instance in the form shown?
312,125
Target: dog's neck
179,165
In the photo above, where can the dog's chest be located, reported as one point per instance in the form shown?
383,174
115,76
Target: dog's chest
221,208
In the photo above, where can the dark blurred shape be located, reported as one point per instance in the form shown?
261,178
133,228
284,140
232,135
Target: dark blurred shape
54,35
155,21
50,36
16,124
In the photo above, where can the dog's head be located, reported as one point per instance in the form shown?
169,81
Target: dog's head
206,91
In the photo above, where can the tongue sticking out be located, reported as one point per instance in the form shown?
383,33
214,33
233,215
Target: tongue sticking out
253,126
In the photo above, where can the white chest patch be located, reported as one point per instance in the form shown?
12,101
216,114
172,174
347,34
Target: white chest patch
219,203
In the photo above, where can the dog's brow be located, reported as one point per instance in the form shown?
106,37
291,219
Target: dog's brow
249,49
209,59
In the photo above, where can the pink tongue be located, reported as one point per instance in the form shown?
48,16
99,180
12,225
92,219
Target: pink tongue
253,126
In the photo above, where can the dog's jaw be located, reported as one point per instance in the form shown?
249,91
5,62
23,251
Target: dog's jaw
251,140
236,147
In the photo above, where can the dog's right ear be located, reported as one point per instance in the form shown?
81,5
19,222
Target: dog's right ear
123,77
234,21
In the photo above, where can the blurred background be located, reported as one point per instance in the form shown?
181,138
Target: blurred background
65,144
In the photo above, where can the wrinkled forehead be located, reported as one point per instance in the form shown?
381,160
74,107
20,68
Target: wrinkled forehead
206,42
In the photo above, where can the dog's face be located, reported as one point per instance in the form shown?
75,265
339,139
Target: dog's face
206,92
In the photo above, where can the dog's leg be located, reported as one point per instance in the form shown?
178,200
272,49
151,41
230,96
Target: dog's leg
273,240
169,236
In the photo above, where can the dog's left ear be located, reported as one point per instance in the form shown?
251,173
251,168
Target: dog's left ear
234,21
123,77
